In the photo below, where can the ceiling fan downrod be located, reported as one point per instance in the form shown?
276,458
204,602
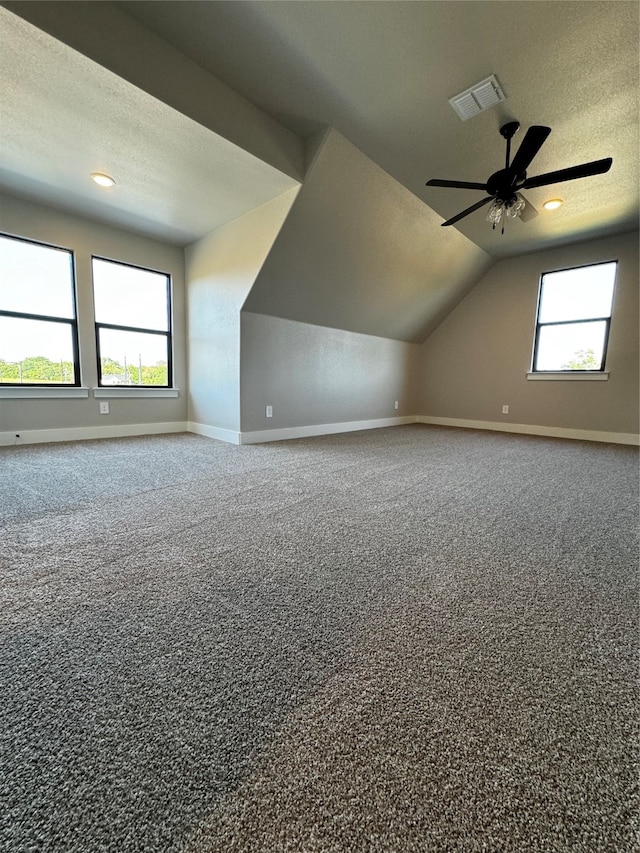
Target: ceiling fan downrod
508,131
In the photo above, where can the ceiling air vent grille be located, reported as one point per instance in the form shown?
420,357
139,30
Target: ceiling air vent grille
477,98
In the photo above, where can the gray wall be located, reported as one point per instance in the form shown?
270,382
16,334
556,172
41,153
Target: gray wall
316,375
220,271
240,361
84,238
359,252
478,358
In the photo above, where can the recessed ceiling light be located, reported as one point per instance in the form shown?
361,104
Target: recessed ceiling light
552,203
102,180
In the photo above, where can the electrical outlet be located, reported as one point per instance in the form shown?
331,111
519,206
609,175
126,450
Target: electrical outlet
268,412
505,410
104,407
396,405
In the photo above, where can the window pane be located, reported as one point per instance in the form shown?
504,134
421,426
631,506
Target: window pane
35,279
571,347
133,358
36,352
127,296
577,294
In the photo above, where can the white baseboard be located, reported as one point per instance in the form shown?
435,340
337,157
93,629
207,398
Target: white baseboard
534,429
44,436
285,433
228,435
41,436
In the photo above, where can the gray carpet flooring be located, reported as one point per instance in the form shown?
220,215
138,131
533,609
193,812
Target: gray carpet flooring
409,639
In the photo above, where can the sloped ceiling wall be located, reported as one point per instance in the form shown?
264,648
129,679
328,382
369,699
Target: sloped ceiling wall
359,252
104,33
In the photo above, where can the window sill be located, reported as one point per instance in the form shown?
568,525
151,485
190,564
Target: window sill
129,393
39,392
571,376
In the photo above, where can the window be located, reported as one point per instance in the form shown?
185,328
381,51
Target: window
38,328
574,315
133,325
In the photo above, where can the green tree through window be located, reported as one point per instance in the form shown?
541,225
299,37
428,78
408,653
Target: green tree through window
584,359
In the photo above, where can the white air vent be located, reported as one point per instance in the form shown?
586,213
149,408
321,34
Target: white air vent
477,98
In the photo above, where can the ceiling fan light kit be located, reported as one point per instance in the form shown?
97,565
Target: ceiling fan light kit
503,187
500,209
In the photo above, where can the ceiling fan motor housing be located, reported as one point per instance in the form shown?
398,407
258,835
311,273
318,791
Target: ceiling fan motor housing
502,185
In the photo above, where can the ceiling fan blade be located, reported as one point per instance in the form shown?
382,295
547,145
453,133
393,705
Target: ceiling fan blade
463,185
585,170
529,147
468,210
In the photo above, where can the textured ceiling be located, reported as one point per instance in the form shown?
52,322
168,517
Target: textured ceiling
382,72
64,117
379,72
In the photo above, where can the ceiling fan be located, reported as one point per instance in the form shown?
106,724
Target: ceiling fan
504,187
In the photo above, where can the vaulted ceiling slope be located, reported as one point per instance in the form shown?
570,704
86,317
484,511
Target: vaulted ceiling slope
244,82
65,116
105,34
359,252
381,73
